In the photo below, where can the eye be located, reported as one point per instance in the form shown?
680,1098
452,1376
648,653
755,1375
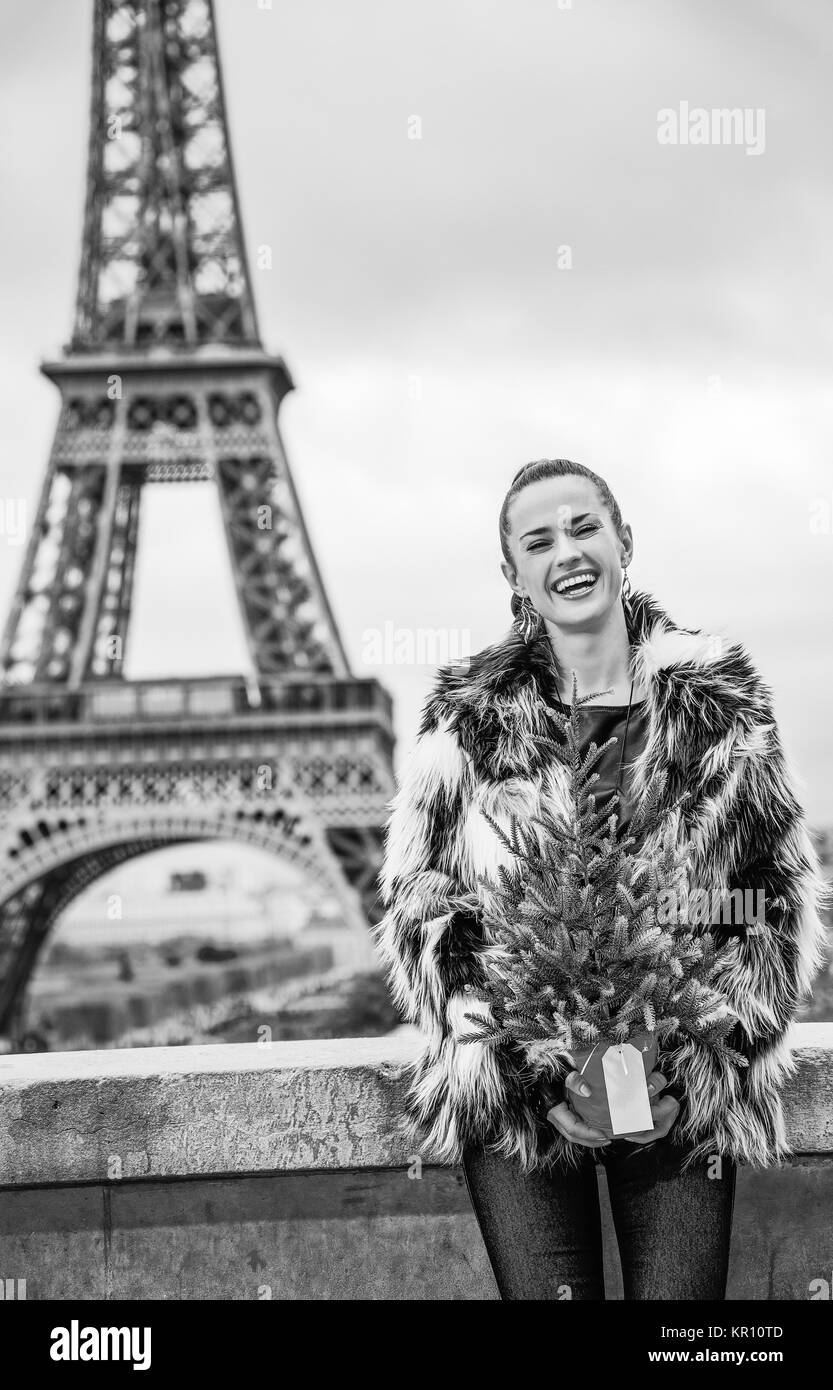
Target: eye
587,526
538,545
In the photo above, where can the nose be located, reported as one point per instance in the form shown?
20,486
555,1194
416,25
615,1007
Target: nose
566,550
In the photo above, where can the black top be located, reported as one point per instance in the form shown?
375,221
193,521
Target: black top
598,723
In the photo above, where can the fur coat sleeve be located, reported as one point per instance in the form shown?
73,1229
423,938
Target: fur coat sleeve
430,941
759,843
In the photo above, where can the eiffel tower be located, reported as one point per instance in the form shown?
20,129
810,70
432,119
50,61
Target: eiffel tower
165,380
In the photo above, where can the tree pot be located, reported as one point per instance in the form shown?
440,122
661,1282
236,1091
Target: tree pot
594,1109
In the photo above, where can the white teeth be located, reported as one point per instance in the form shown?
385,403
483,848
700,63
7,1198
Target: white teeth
574,581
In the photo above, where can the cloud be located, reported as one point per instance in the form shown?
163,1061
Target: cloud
436,341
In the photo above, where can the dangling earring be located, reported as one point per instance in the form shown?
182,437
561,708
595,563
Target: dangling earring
626,597
526,623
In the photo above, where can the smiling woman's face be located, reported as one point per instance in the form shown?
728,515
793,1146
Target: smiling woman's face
560,528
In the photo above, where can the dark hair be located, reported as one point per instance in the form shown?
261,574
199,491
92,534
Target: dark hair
551,468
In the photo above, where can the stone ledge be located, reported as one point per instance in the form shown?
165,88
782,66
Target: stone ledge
165,1112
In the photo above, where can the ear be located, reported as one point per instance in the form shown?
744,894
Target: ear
511,576
626,540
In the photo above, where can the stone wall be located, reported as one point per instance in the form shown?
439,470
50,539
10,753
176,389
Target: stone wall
241,1171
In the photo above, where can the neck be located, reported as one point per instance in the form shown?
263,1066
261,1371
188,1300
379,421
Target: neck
600,659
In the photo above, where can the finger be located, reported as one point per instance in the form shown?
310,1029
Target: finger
664,1117
573,1128
664,1112
647,1136
660,1130
666,1105
575,1082
656,1083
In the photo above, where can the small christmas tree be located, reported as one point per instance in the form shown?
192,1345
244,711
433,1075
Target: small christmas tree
579,950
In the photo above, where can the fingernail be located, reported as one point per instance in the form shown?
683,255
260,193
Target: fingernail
584,1090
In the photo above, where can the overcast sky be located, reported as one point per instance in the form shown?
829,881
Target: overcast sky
436,341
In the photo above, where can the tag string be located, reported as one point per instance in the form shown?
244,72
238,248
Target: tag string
621,1058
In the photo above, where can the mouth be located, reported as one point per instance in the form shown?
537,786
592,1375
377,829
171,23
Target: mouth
577,585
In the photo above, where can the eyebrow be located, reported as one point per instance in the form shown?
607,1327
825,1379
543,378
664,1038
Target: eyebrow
539,530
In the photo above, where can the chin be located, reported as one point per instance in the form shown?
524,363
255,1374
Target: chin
575,613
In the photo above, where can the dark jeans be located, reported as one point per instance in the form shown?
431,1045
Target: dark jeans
542,1231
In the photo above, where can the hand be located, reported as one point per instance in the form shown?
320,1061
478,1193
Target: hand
569,1124
664,1111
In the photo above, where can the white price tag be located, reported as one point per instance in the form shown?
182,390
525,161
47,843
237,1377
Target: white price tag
627,1090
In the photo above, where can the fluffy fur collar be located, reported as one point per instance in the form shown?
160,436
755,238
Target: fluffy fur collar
702,690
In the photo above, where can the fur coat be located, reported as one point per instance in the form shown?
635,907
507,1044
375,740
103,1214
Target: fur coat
712,734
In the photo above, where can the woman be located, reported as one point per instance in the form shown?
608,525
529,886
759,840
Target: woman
692,709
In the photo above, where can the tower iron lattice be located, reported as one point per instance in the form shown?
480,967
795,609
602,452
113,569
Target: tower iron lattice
165,380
